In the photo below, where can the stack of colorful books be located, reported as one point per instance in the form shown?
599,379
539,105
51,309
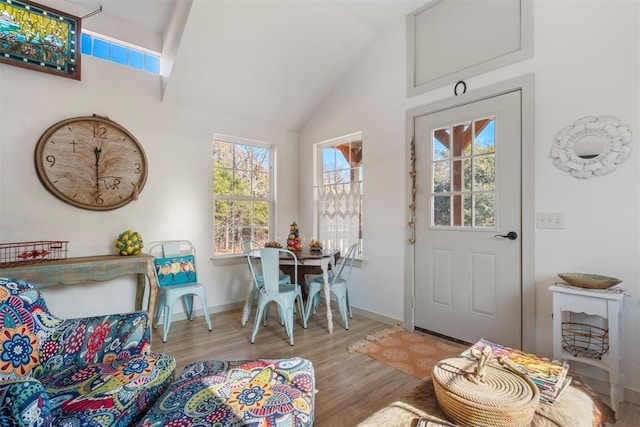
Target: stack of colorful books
549,375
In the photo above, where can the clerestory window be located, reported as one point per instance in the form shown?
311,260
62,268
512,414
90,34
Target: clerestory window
119,52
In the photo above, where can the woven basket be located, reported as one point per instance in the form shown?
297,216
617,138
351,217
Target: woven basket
502,398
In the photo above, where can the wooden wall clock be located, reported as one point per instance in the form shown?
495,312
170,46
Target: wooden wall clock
91,162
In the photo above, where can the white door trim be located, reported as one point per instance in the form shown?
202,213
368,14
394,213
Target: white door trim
526,85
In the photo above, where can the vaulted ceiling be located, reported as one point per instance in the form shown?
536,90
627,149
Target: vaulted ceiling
267,61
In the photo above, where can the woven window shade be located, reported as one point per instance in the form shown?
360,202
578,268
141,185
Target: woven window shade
339,212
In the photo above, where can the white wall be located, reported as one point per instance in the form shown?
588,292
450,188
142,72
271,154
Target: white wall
175,203
585,63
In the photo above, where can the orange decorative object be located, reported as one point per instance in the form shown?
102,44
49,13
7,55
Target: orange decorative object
294,241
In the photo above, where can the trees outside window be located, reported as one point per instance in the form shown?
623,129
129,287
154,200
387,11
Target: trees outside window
242,193
463,168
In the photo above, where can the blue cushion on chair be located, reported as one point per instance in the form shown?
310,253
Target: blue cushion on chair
176,270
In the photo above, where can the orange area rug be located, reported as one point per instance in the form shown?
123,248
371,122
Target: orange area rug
413,353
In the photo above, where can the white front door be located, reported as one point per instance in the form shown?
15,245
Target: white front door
468,281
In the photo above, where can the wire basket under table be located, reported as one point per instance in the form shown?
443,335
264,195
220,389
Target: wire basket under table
585,340
21,253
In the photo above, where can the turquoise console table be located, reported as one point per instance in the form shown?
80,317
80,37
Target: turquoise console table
73,271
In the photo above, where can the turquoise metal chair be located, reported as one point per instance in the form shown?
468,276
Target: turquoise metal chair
338,284
175,269
257,281
284,296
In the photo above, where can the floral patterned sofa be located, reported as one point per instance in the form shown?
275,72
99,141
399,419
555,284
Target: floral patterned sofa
238,393
94,371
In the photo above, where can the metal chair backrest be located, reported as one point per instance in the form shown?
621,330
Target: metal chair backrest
175,262
249,245
347,262
270,261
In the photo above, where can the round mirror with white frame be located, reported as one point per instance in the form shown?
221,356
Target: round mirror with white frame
592,146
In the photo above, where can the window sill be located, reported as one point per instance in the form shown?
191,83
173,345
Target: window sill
221,261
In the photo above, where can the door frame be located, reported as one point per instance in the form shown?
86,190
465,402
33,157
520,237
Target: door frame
525,84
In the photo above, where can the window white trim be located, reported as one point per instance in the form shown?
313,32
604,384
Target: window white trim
317,168
246,141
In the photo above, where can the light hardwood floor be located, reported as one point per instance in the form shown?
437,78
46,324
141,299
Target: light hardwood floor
350,386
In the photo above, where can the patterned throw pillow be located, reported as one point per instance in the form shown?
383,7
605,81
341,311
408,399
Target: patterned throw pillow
18,352
175,270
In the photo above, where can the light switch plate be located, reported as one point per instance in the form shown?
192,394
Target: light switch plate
550,220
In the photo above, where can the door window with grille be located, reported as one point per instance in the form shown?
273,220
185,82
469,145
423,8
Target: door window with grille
463,170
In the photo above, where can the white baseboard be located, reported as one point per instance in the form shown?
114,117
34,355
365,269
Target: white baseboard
236,305
200,312
376,316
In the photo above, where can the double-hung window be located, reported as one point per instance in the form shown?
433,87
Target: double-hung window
242,193
338,192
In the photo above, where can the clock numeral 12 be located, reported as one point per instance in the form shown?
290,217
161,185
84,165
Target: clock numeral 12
99,132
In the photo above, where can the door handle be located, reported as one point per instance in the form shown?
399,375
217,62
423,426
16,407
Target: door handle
512,235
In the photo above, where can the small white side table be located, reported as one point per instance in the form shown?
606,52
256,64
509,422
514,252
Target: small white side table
608,305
